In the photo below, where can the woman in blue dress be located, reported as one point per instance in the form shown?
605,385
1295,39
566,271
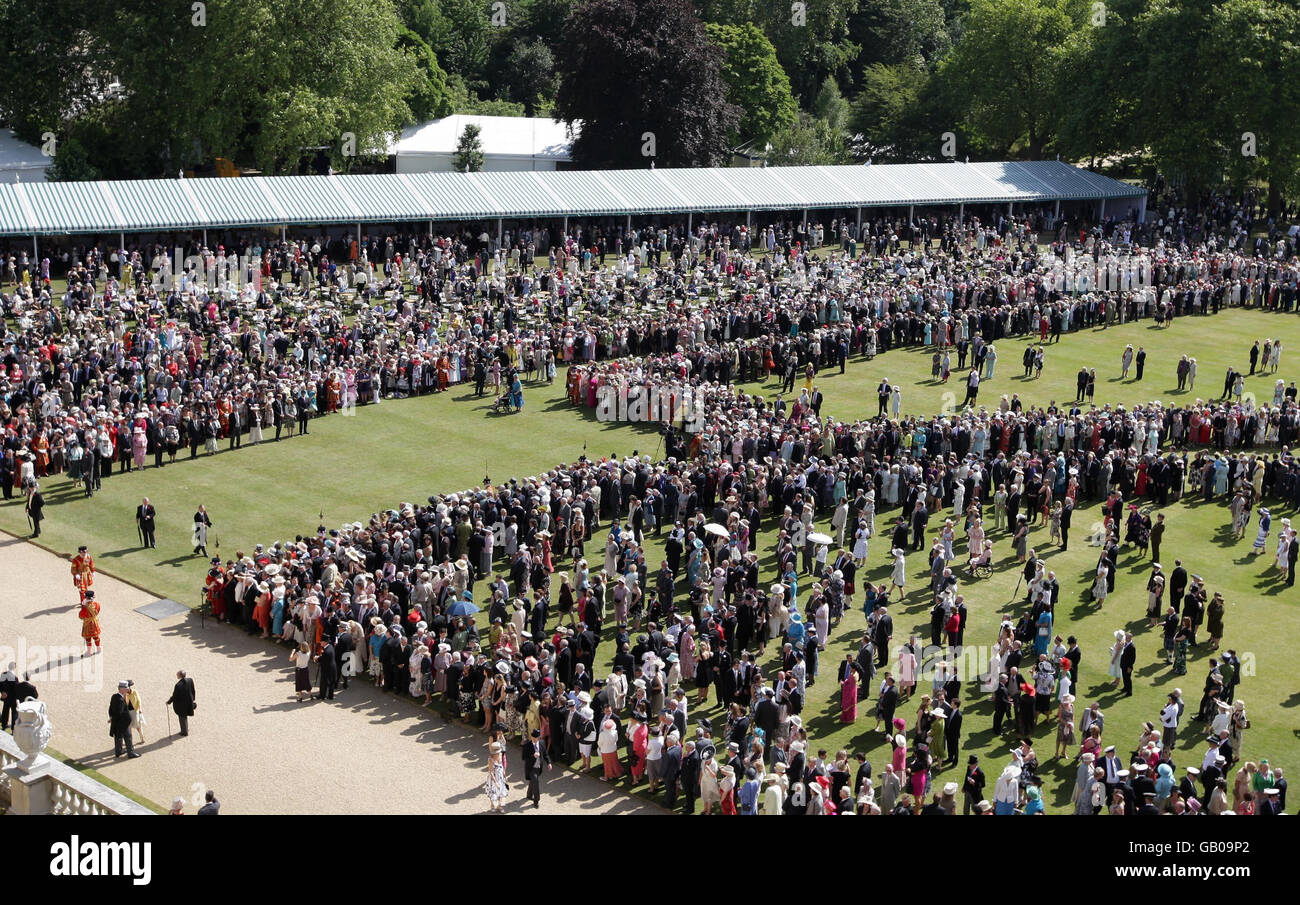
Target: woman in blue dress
277,615
1044,633
516,394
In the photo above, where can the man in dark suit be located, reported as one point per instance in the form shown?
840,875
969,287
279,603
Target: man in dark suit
767,715
536,761
119,721
1177,585
145,519
952,731
689,779
182,701
14,691
884,634
1126,660
201,519
1292,552
671,770
1074,655
886,705
1067,511
1003,697
211,807
920,518
36,510
329,673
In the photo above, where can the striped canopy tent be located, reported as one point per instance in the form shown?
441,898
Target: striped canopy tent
66,208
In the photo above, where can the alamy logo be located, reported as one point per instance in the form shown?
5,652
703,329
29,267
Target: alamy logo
103,859
642,404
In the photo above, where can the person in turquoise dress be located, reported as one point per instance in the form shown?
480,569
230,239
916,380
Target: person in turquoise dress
277,615
517,394
1044,633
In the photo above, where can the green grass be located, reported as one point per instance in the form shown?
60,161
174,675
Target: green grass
350,467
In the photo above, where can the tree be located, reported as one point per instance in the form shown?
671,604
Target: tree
51,64
530,75
431,98
808,142
469,151
1253,56
1005,70
646,83
755,81
900,31
900,114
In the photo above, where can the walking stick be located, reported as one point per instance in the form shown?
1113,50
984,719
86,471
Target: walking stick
169,720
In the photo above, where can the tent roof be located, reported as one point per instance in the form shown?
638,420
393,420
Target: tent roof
16,154
505,136
49,208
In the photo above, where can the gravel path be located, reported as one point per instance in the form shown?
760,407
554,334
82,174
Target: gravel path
250,740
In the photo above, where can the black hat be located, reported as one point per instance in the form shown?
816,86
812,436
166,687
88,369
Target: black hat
536,733
973,760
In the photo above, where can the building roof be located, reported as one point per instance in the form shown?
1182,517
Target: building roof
51,208
499,136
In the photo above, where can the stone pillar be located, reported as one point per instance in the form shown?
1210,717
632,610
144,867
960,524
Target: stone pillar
30,791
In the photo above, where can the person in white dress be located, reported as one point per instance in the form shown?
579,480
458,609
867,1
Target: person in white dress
899,576
1116,652
1100,587
1280,556
860,543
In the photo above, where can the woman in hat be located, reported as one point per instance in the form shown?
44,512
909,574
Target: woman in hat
899,575
1064,725
262,609
607,744
1214,620
703,672
496,787
301,659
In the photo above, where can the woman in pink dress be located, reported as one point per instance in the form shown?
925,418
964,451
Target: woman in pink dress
849,691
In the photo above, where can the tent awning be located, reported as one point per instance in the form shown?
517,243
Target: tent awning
172,205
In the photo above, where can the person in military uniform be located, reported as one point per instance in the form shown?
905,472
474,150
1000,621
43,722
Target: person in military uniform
83,571
89,616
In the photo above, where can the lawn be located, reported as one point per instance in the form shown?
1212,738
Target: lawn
349,467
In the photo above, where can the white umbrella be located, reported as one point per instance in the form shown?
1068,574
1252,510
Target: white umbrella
817,538
716,529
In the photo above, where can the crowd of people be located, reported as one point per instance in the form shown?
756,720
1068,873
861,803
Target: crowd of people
496,600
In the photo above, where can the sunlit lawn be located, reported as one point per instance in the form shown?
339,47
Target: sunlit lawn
350,467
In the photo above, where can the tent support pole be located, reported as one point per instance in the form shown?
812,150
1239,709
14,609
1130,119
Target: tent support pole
36,253
1057,215
911,208
961,212
499,233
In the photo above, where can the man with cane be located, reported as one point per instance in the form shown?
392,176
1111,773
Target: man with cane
201,525
183,702
144,523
